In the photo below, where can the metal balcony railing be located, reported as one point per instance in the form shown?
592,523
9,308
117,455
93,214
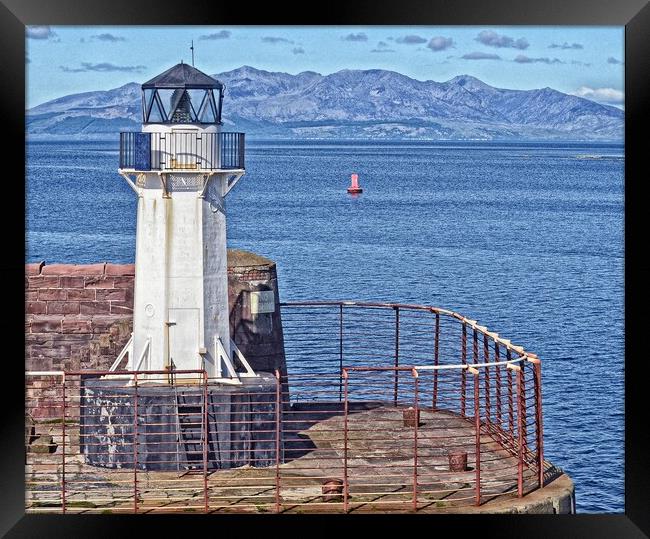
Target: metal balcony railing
181,150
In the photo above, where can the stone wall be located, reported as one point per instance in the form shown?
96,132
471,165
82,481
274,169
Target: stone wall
77,316
258,335
80,317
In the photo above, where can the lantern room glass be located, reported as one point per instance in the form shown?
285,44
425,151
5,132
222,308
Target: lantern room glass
181,105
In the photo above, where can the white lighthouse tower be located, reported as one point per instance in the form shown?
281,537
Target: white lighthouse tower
182,166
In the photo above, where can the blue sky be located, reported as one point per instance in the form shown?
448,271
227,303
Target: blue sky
583,60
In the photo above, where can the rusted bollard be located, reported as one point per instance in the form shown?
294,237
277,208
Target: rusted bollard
457,461
411,415
333,490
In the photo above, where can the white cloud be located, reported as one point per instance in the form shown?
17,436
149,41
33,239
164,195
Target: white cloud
411,40
222,34
492,39
566,46
108,37
523,59
480,56
355,37
40,32
440,43
274,39
104,67
609,96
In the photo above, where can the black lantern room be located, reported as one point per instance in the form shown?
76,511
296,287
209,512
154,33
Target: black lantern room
182,94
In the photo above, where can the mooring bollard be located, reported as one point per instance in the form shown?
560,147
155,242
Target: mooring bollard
457,461
411,417
333,490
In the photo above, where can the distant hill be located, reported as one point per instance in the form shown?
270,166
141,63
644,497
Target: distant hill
368,104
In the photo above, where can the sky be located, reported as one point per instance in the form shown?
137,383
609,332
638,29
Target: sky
582,60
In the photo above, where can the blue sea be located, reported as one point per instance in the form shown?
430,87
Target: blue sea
527,238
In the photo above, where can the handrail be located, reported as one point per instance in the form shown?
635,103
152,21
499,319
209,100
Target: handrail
467,365
181,151
408,306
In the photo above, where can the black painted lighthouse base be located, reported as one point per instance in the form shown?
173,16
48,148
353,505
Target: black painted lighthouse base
169,427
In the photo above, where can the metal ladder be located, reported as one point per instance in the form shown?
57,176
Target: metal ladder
191,429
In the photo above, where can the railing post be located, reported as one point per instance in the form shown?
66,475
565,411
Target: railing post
340,351
474,346
511,404
206,441
170,149
155,154
162,154
520,424
463,373
226,147
396,375
540,429
222,153
497,358
63,413
477,428
524,414
215,150
486,358
346,488
211,150
414,372
242,140
436,350
135,443
278,419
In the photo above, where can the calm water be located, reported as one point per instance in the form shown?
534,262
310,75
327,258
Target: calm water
526,238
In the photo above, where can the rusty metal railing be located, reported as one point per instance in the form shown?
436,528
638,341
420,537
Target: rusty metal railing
383,408
440,363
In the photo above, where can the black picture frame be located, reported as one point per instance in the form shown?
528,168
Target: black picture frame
634,14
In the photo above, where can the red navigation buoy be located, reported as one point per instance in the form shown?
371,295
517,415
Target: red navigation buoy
354,186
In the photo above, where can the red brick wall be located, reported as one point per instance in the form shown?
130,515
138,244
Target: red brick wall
77,316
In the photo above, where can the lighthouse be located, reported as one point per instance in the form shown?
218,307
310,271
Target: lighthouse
182,167
187,398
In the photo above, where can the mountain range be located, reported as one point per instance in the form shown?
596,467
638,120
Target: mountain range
351,104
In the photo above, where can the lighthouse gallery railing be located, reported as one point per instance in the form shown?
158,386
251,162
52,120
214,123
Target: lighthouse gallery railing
181,151
378,397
